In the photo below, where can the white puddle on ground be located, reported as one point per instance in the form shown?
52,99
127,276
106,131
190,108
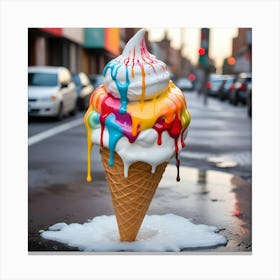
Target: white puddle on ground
158,233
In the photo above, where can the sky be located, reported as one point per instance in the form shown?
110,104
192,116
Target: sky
220,41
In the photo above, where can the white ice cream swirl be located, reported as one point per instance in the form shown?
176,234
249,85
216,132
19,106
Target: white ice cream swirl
145,76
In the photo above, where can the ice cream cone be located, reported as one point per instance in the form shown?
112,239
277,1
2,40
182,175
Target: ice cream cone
131,196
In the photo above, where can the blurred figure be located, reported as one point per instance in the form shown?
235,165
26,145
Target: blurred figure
200,80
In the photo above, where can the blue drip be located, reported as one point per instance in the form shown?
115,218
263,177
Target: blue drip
115,133
122,87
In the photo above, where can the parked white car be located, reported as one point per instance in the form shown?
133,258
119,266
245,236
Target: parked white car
84,89
51,92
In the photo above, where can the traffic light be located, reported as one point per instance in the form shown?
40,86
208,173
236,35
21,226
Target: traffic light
231,60
191,77
203,58
203,50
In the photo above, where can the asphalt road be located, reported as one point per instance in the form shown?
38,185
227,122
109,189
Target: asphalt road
220,137
217,153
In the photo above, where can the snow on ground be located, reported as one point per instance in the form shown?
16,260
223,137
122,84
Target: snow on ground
158,233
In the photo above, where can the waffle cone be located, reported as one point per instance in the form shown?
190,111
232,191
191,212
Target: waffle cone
131,196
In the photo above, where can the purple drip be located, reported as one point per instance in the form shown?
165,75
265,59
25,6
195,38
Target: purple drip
125,122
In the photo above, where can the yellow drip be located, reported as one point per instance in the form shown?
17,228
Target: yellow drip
143,87
89,143
154,102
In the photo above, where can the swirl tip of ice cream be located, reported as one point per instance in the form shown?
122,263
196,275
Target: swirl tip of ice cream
133,46
136,75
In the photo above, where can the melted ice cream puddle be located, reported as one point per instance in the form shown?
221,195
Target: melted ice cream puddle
159,233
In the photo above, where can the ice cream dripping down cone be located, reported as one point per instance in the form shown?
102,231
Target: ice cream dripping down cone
131,196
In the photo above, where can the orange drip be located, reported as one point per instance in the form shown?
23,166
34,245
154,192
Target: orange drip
143,86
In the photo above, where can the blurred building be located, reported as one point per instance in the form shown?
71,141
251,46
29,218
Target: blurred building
55,46
79,49
178,65
242,50
100,46
90,49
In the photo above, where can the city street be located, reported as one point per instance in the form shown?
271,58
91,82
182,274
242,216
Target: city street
215,187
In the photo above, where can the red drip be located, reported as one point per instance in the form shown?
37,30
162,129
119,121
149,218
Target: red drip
174,131
146,56
126,61
144,52
163,66
178,167
176,145
151,64
183,144
101,134
143,48
175,128
159,141
160,126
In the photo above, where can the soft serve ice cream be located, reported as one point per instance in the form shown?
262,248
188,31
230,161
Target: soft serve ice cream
138,112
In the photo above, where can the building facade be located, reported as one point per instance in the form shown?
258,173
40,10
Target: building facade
79,49
178,65
242,50
90,49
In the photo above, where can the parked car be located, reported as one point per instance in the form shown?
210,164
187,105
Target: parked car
96,80
238,94
84,89
213,84
51,92
184,84
249,99
226,85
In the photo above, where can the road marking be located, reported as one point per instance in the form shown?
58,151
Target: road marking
53,131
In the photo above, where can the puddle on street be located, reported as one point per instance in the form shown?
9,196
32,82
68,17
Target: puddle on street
207,197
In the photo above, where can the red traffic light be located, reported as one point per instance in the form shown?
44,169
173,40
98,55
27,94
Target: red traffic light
201,51
191,77
231,60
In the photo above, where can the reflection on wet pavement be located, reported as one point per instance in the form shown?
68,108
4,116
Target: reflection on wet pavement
208,197
222,162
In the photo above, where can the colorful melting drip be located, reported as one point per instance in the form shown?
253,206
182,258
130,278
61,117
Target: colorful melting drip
165,111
